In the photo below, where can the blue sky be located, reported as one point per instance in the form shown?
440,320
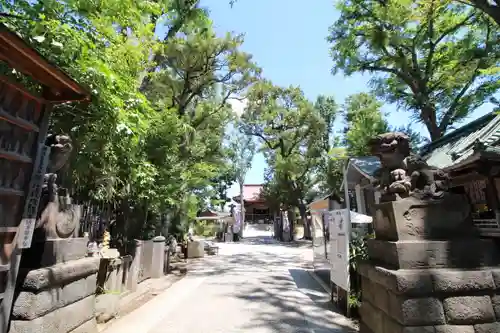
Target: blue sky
287,39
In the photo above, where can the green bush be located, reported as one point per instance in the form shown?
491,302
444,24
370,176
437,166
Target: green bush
357,254
204,228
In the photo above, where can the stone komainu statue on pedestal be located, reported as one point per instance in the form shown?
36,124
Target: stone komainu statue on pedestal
57,217
404,174
428,269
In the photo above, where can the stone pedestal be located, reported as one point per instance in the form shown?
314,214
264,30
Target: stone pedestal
53,251
158,257
59,297
135,267
429,271
196,249
110,287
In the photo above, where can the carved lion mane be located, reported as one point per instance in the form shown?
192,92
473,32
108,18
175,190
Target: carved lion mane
403,173
60,151
390,146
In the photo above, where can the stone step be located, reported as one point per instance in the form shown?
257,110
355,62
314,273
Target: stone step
425,282
430,300
458,253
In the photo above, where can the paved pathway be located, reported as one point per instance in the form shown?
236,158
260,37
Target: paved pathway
257,286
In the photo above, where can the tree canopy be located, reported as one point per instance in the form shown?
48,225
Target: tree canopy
434,58
151,139
159,137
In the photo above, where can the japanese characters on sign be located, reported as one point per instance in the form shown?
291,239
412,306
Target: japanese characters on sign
339,248
27,225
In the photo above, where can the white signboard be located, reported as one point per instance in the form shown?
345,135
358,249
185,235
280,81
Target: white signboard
286,223
237,222
339,247
25,233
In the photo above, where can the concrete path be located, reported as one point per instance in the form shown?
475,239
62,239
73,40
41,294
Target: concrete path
258,230
257,286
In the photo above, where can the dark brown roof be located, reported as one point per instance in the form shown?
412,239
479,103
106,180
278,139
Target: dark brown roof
24,58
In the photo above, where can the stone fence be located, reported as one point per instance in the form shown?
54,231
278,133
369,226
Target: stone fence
74,292
119,276
145,255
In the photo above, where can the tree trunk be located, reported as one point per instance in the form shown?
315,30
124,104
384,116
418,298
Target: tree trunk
291,218
492,10
305,222
430,121
278,231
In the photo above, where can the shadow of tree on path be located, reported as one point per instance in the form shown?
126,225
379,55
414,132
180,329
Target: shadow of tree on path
280,291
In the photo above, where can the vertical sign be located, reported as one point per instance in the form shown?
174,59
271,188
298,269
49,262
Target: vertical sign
27,225
237,220
339,247
286,223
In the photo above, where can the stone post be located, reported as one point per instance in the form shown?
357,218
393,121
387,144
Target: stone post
135,266
158,260
428,270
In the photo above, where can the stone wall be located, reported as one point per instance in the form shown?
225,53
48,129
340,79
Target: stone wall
429,272
58,299
112,283
60,290
119,276
145,260
438,301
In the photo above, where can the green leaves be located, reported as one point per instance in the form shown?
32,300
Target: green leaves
363,119
290,130
433,58
241,150
154,146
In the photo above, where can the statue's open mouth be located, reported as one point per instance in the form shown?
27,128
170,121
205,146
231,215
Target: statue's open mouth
388,147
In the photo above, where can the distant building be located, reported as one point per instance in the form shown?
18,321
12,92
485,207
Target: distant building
257,209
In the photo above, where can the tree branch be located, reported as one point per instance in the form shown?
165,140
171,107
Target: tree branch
403,76
450,114
177,25
263,138
491,11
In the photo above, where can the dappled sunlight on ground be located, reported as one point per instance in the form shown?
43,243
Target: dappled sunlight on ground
260,285
256,286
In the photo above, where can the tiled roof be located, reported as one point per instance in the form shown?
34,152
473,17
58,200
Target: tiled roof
457,146
367,165
451,149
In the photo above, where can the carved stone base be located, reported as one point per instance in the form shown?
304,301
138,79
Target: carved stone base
434,254
429,271
60,220
54,251
59,298
414,219
440,300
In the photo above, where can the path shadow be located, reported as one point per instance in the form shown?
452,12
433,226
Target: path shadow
283,309
277,298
